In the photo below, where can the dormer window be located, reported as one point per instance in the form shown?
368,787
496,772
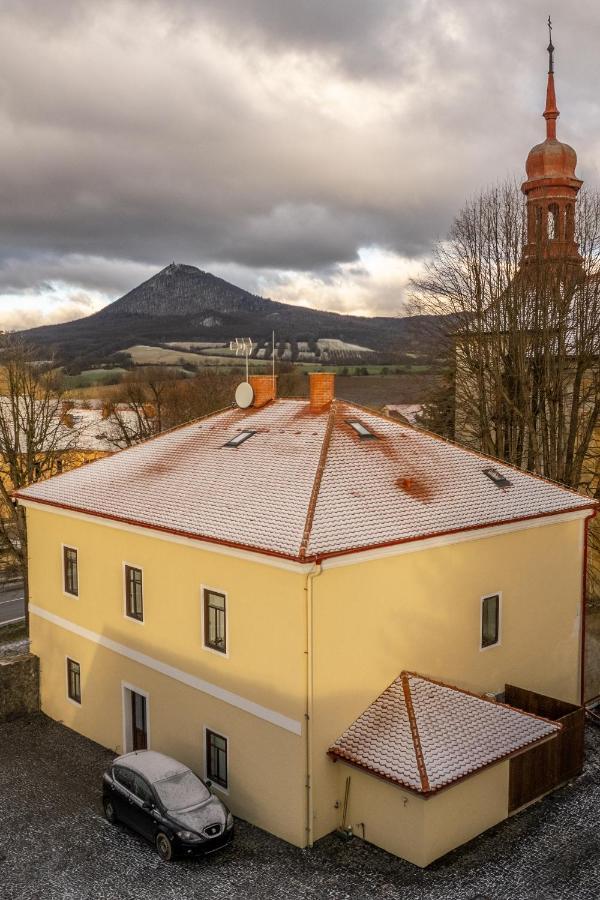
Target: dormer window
361,430
239,439
497,478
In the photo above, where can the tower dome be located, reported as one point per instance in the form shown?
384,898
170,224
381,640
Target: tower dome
551,189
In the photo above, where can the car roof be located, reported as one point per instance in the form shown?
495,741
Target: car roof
152,765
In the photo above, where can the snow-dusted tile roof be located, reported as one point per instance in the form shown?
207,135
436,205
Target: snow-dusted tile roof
424,735
305,485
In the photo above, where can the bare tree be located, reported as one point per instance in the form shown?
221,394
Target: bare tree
35,435
525,338
137,410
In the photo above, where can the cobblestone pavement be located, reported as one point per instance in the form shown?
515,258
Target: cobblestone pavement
56,845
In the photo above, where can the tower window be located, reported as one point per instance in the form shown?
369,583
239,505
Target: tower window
553,222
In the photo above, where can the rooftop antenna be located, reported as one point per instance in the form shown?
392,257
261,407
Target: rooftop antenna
242,346
273,363
550,48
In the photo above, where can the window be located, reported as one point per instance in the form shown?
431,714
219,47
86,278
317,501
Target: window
360,429
239,439
125,777
142,789
553,222
215,621
134,603
71,575
216,758
497,477
490,620
73,680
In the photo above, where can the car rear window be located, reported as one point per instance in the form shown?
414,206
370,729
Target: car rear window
181,791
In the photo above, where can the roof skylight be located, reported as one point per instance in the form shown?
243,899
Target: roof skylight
497,477
239,439
359,428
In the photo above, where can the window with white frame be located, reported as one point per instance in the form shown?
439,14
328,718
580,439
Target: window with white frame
490,620
134,599
73,680
70,571
216,758
215,620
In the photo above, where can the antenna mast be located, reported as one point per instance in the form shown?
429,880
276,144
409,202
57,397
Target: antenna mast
242,346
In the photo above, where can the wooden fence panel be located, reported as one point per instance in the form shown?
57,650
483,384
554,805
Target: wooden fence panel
540,769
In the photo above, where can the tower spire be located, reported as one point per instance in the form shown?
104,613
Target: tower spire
551,112
550,49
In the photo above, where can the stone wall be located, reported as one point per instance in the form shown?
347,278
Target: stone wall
19,686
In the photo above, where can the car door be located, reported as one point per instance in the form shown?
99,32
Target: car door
141,810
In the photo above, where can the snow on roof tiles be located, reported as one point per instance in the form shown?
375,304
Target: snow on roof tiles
305,485
424,735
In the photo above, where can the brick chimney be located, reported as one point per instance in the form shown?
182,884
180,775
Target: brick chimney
321,390
264,387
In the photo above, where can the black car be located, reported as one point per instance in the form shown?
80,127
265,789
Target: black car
166,803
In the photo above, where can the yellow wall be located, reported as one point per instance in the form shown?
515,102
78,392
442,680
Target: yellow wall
462,811
421,611
418,611
266,663
419,829
382,813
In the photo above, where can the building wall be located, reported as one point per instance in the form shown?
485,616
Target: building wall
382,813
462,811
419,829
420,611
266,663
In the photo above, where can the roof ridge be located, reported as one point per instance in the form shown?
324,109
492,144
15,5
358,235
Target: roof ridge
458,446
314,494
414,730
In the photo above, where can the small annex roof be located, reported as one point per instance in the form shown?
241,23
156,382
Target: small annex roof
305,485
423,735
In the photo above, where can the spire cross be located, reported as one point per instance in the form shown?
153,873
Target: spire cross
550,48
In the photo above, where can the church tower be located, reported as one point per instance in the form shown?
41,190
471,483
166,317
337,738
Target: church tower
551,189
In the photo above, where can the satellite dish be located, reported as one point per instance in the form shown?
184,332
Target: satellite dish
244,395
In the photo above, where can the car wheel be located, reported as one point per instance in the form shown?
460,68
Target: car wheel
109,810
164,847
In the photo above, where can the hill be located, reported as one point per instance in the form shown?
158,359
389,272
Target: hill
182,303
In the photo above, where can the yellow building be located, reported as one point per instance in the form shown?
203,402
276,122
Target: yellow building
240,592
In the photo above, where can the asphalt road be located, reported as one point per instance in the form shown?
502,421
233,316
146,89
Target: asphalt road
12,605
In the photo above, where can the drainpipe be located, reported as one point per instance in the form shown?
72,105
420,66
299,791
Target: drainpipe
586,527
314,573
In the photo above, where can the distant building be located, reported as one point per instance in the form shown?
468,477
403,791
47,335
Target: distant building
303,592
404,412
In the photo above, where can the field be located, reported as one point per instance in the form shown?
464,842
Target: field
143,355
378,390
91,377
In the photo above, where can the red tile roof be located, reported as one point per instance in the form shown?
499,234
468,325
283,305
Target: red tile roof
423,735
305,486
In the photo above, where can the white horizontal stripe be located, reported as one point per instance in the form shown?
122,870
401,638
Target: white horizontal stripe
255,709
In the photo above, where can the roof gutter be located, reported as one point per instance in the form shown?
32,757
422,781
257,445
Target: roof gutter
308,587
584,582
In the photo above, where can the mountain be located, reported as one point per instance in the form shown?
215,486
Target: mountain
183,303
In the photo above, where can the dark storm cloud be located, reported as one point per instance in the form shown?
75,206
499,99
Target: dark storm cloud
271,135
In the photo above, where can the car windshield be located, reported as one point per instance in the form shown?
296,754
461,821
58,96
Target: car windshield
181,791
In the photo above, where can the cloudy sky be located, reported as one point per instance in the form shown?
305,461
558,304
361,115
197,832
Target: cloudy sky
308,150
